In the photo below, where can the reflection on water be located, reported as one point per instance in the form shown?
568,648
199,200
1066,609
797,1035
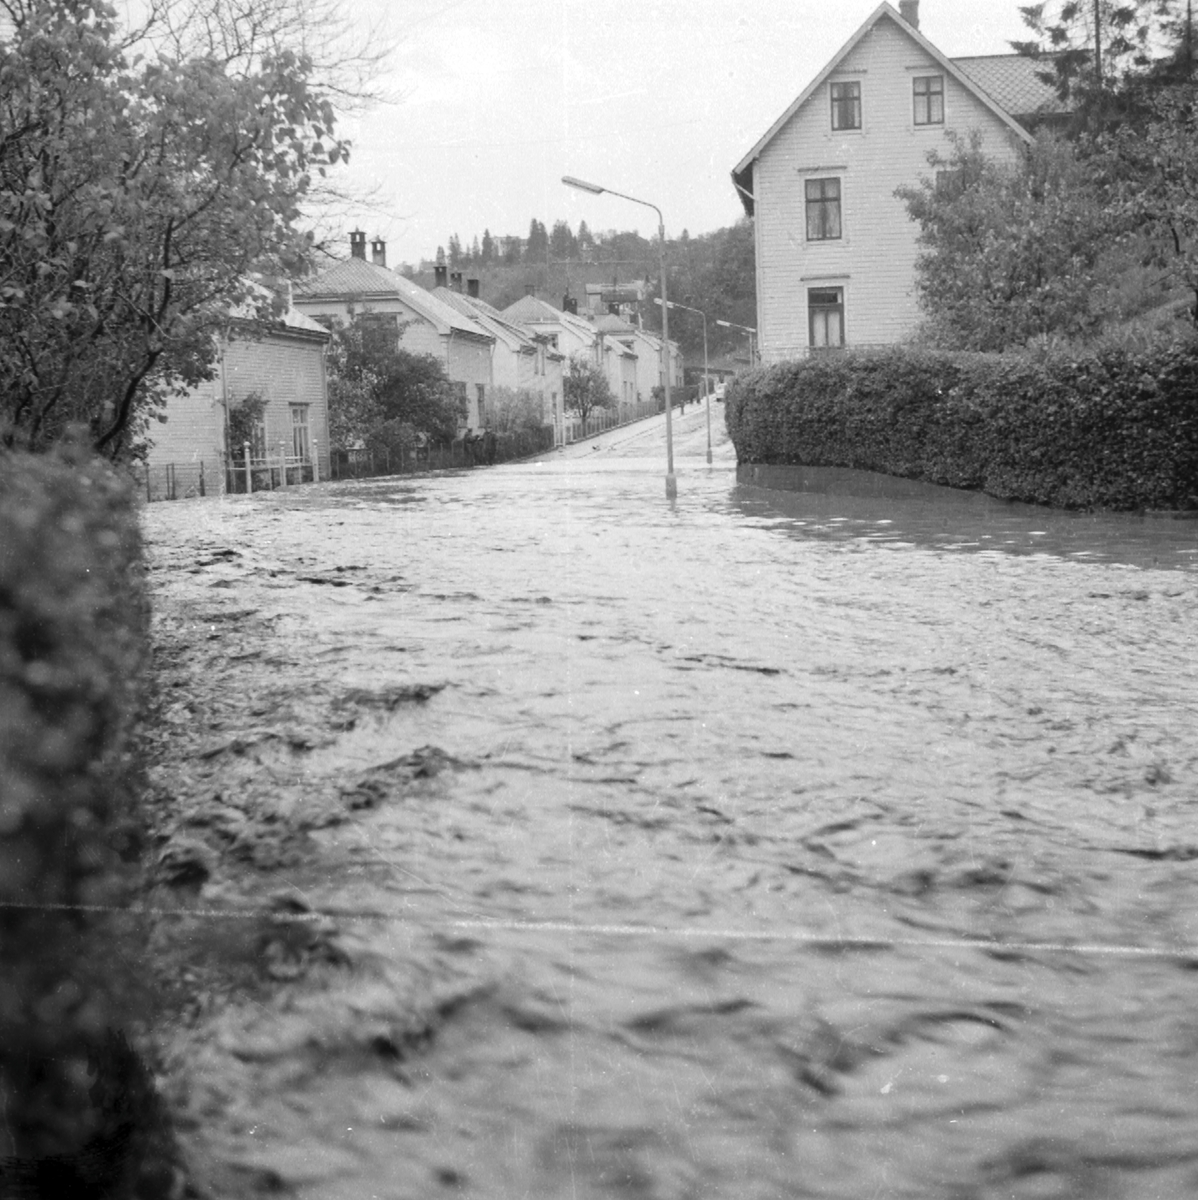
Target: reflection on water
840,504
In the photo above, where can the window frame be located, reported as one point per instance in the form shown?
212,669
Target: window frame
839,103
301,431
813,309
926,97
824,203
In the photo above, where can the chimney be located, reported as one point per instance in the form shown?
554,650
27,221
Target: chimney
472,288
909,11
357,244
569,304
378,252
455,280
441,273
530,289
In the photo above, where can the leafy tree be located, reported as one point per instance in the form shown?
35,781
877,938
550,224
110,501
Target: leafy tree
511,410
372,381
1010,251
585,388
1157,189
512,250
138,198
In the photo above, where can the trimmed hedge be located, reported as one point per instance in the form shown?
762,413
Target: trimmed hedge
1116,428
73,651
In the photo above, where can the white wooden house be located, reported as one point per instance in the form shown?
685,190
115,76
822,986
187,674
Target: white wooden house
285,369
835,248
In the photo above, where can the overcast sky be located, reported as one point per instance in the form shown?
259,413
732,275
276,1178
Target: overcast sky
495,100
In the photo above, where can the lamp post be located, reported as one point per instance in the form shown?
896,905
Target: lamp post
596,190
706,383
745,329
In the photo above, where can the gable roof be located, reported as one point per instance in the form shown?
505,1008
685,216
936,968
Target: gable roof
356,278
1013,81
742,173
532,310
492,321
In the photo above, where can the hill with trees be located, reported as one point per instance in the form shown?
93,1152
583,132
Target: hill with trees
713,272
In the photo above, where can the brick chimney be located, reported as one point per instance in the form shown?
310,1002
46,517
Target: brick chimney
472,288
357,244
378,252
530,289
455,280
441,275
909,11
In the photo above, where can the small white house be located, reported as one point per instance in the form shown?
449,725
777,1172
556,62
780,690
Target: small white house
285,369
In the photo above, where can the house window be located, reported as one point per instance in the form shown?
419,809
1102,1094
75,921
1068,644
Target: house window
482,405
301,444
825,317
823,209
846,106
929,99
459,391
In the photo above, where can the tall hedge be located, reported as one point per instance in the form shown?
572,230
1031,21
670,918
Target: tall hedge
1114,428
73,627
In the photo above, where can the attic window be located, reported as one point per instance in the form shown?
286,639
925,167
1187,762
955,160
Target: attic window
929,99
846,105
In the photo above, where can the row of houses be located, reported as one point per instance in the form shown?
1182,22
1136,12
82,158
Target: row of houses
525,347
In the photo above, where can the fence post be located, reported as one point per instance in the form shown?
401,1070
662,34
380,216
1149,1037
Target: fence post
202,491
315,462
149,498
249,472
282,464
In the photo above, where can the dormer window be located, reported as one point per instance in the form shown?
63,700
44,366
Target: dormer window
929,99
846,105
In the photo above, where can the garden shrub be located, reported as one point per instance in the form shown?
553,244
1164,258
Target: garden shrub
73,638
1114,426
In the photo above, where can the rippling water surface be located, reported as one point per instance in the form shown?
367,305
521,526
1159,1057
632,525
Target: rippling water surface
833,838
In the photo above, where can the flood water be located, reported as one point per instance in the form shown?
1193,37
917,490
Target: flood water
835,838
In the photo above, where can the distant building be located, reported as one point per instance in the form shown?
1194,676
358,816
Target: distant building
423,323
835,248
523,359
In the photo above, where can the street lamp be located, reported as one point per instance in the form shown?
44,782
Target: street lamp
596,190
706,384
746,329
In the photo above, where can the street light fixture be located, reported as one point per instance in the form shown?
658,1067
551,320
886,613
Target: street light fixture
706,382
596,190
745,328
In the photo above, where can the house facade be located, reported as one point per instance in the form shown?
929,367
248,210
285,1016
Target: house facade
835,248
423,323
285,369
521,358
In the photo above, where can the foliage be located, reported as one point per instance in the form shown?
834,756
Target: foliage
585,387
373,381
244,419
73,653
1156,173
1010,251
137,200
511,410
1112,427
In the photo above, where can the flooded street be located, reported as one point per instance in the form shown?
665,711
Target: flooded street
545,838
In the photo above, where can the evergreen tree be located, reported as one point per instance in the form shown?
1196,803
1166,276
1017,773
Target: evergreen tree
537,248
562,243
455,252
488,246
